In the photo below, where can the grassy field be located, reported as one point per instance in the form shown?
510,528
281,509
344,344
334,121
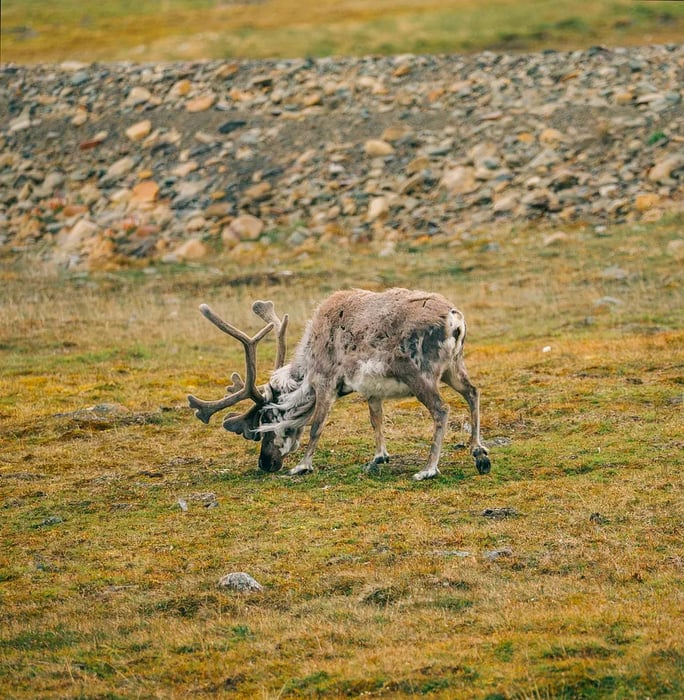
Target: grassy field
152,30
373,585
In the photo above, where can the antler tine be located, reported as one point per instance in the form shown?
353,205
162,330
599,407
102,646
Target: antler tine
204,410
266,311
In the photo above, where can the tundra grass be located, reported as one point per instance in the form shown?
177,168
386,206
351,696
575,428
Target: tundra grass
87,30
558,575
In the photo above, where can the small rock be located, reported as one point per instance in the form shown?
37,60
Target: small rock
644,202
496,554
240,581
98,139
417,164
184,169
459,180
259,191
186,192
192,249
395,133
144,192
75,237
23,121
378,148
200,104
139,131
663,169
500,513
232,125
551,136
100,416
81,117
50,520
614,272
118,169
505,203
246,227
378,208
137,96
181,88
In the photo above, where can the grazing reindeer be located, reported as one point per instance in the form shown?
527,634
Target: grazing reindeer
383,345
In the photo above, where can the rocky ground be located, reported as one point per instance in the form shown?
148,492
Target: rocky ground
101,165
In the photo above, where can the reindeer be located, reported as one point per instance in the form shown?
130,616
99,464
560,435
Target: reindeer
391,344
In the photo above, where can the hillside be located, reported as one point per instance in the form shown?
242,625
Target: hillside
102,165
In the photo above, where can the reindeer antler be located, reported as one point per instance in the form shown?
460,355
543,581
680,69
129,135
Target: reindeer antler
266,311
239,390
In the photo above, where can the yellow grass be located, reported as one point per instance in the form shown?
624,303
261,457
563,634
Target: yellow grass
39,31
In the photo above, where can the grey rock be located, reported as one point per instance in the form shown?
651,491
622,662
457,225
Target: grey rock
240,581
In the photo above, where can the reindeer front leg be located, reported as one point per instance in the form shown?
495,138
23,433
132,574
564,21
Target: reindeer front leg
324,402
376,418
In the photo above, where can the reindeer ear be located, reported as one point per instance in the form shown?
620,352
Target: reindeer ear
244,424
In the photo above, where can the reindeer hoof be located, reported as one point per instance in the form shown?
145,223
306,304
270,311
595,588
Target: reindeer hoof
300,470
426,474
482,463
373,467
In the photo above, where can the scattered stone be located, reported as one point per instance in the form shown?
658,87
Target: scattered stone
50,521
232,125
139,131
663,170
247,227
192,249
145,192
23,121
137,96
378,148
80,232
646,201
200,104
240,581
259,191
614,272
496,554
378,208
81,116
101,416
570,138
500,513
551,136
460,180
98,139
118,169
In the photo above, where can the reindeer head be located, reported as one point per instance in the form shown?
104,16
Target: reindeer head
261,421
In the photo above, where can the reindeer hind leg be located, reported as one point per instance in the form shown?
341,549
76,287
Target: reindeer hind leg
457,378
